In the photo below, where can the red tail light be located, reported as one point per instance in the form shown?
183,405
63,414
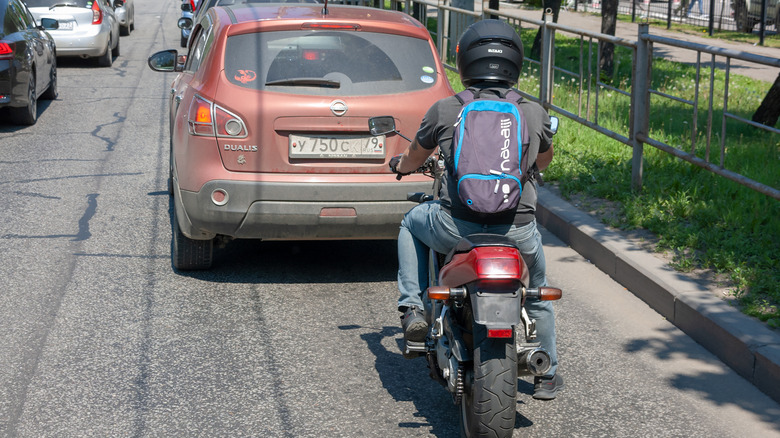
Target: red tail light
97,13
331,26
199,117
6,50
499,263
207,118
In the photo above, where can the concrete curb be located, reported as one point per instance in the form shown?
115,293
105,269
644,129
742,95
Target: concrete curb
741,342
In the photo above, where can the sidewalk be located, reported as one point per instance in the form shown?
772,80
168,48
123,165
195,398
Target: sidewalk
592,23
743,343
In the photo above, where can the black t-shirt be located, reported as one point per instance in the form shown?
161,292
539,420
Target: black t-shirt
437,129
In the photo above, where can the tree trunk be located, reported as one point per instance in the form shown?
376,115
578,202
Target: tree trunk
609,10
555,6
769,110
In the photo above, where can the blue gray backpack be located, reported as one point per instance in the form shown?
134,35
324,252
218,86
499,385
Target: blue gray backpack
490,142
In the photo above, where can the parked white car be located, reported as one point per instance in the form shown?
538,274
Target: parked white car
187,11
87,28
747,13
125,14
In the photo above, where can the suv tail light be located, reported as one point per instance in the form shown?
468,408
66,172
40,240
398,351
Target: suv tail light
6,49
206,118
97,13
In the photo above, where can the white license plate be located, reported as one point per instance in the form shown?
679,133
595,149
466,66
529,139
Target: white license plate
340,147
66,25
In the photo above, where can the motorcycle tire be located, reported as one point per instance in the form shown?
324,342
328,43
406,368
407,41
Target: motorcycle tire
489,400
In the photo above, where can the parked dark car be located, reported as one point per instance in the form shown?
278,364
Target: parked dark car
28,62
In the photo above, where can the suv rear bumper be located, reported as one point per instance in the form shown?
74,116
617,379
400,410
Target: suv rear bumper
296,211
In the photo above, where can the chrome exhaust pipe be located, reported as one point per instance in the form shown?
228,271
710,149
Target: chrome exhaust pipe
533,361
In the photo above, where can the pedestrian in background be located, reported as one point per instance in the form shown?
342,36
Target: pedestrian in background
701,8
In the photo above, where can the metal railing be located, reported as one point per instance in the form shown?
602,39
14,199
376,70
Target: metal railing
451,21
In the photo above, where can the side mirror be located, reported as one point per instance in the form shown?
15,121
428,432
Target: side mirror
381,125
185,23
49,24
165,61
554,124
118,3
186,7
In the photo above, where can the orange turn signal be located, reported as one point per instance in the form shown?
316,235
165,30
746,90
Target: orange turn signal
550,293
439,293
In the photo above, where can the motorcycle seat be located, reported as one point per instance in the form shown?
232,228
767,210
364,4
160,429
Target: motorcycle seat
472,241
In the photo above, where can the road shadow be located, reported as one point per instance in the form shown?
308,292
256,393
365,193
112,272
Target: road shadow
407,380
291,262
5,118
721,388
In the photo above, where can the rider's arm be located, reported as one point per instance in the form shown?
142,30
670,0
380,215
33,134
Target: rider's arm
413,158
545,138
544,158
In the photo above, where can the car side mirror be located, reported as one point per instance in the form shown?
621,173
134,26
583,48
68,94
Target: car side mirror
49,24
165,61
186,7
185,23
381,125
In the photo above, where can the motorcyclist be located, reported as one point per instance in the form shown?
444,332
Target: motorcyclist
489,58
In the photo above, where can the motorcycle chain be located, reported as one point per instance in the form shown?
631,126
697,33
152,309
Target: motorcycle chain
457,397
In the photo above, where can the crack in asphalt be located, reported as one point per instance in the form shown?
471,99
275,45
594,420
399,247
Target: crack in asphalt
83,231
110,143
33,180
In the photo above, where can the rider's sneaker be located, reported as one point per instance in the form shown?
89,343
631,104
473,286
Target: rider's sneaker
546,388
414,325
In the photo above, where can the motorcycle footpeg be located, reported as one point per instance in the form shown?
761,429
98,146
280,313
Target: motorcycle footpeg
414,349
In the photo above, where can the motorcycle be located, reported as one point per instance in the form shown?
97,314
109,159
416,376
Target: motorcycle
480,337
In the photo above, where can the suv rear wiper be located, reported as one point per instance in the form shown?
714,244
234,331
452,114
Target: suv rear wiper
72,5
306,82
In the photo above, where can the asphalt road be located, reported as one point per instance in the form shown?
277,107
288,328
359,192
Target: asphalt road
100,337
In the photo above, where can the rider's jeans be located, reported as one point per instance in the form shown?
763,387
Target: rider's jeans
428,226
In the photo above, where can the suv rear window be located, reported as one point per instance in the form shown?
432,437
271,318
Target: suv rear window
329,63
50,3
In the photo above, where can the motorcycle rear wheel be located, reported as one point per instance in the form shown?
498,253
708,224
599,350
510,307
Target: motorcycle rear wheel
488,407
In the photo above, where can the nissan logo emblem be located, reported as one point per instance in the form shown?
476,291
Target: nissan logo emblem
338,107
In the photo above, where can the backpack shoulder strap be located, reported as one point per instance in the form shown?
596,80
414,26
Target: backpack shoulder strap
466,96
514,96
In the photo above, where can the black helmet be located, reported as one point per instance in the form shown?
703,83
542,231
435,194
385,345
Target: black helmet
489,50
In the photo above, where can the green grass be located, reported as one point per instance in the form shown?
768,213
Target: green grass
705,220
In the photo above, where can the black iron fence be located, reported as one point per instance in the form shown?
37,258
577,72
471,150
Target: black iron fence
718,123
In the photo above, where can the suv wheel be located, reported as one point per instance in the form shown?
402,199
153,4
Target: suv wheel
189,254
